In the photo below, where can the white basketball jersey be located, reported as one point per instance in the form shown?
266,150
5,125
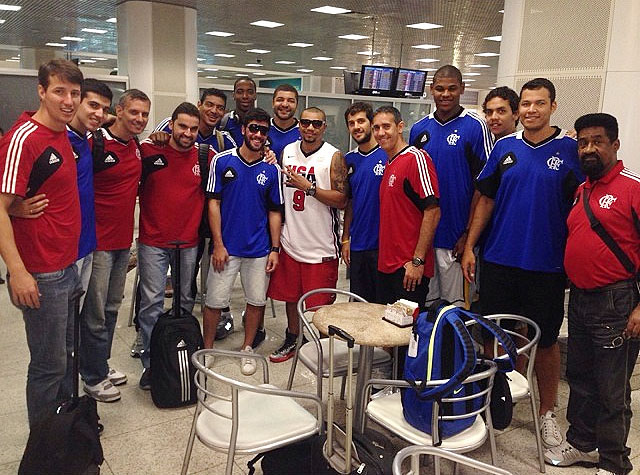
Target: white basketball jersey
310,231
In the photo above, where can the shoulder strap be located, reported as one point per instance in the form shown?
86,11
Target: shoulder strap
599,229
97,151
220,139
203,162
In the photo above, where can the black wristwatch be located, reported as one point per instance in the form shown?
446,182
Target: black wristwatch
275,249
417,262
312,190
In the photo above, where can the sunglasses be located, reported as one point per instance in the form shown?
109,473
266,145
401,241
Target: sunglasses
255,128
316,123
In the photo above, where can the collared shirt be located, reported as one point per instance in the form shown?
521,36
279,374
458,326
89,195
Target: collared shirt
614,200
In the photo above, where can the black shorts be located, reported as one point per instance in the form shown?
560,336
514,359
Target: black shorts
364,274
390,289
538,296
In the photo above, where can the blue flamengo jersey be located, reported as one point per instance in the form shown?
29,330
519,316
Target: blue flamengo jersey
232,125
532,186
211,139
84,162
247,192
459,149
280,138
365,172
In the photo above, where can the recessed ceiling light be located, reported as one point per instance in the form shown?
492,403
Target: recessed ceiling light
254,65
427,60
322,58
304,70
2,21
368,53
266,24
259,51
471,74
493,38
200,71
486,55
87,60
259,74
285,62
61,45
15,57
330,10
219,33
300,45
225,55
353,36
240,43
425,26
210,69
200,59
211,77
71,38
242,75
114,69
468,80
12,60
337,67
500,11
97,58
479,66
426,46
97,31
112,20
11,8
428,69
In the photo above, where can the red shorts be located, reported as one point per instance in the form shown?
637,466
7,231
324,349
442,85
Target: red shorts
292,279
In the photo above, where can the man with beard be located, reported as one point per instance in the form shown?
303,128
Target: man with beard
284,126
116,175
527,187
365,166
602,263
314,191
244,95
168,170
500,109
245,218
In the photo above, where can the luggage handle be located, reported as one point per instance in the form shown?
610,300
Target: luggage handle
77,295
333,330
177,312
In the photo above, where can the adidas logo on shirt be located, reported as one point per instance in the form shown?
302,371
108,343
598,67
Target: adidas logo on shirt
109,159
507,161
53,159
181,344
158,162
229,174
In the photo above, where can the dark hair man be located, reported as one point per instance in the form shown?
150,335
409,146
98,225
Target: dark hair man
36,157
245,218
244,95
168,170
500,109
526,188
409,213
458,141
284,126
365,166
314,190
116,177
604,317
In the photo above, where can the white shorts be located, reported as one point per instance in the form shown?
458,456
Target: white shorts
447,282
253,276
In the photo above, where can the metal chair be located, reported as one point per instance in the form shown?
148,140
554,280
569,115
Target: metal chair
387,412
244,421
414,451
317,349
522,386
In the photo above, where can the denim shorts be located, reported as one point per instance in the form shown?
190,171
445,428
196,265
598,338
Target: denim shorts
253,276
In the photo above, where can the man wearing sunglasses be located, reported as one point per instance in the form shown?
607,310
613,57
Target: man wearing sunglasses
245,197
314,191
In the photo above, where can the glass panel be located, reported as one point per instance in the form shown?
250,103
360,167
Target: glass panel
411,113
376,104
336,134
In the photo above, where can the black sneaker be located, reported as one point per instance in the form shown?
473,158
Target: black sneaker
261,334
225,326
288,348
145,379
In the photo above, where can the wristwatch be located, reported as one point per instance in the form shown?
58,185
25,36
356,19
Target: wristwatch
275,249
312,190
417,262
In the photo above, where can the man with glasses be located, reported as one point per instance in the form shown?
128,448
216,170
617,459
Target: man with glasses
245,197
315,189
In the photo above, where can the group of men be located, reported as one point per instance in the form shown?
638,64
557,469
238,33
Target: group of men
417,215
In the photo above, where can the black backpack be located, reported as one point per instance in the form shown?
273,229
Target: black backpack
175,337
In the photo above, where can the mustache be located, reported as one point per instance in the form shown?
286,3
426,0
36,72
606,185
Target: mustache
594,156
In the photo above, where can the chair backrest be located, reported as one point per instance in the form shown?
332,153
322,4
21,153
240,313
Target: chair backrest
303,311
416,450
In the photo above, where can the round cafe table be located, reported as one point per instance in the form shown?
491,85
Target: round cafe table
363,321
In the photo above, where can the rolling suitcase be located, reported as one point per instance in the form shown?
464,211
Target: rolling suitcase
175,337
67,441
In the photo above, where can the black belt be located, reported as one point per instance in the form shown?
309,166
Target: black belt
621,284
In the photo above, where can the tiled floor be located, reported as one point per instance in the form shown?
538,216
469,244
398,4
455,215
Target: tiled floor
141,439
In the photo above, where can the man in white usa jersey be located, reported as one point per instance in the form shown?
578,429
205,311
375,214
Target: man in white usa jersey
314,191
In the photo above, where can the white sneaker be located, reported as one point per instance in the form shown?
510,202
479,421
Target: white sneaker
104,391
602,471
566,454
248,365
549,430
116,377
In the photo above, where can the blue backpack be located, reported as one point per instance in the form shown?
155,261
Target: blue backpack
442,348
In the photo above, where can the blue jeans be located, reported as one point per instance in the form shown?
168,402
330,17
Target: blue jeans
599,366
100,313
153,264
50,339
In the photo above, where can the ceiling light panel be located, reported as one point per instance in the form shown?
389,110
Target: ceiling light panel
258,51
426,46
486,55
285,62
97,31
353,36
10,8
72,38
300,45
267,24
322,58
222,34
330,10
493,38
425,26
